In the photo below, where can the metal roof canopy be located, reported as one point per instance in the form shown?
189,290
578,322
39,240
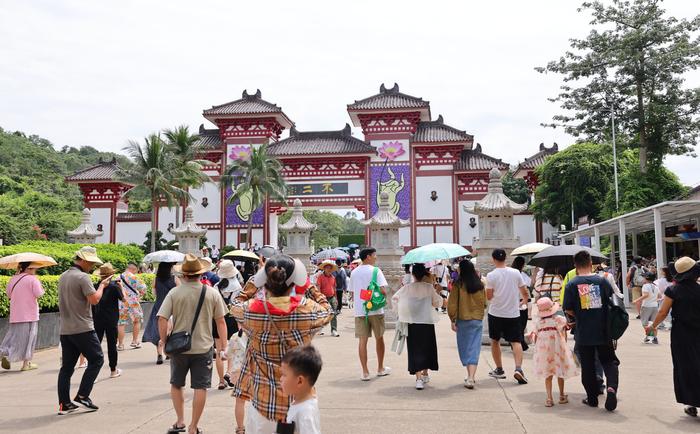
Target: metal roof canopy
642,220
653,218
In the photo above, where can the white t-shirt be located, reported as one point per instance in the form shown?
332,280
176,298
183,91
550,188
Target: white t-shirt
653,300
441,274
662,284
526,278
506,283
306,417
359,279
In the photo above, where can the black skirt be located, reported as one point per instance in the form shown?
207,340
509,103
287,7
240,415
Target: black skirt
422,348
685,353
231,327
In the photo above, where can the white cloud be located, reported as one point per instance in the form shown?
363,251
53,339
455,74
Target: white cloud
100,73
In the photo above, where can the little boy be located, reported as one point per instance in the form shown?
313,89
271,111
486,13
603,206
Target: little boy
650,304
300,369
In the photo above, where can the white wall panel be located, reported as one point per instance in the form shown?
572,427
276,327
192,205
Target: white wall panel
524,227
443,234
102,216
212,212
466,233
132,232
424,235
441,208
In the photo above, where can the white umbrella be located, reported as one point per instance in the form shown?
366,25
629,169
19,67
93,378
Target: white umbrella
39,261
530,249
164,256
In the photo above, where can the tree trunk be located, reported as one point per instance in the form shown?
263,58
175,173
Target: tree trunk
643,143
154,228
249,234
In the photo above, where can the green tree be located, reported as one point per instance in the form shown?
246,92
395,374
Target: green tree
633,62
515,188
152,172
255,178
186,152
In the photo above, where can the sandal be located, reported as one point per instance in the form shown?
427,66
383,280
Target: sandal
563,399
691,411
240,431
30,366
120,347
222,385
549,403
227,379
176,429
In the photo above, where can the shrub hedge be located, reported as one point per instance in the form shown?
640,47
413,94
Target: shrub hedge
119,255
49,301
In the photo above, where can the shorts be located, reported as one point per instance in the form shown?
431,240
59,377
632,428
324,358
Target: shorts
509,329
648,314
636,292
198,365
130,310
366,326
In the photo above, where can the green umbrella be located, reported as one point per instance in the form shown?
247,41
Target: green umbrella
434,252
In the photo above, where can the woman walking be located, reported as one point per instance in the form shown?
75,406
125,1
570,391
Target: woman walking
228,287
165,281
105,314
23,290
684,298
465,308
416,307
548,285
274,324
130,308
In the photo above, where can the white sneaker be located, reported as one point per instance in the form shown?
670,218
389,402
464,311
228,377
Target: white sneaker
117,373
335,334
420,385
426,379
468,383
385,372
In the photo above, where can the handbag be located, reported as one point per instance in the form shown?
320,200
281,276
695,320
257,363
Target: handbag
617,317
180,342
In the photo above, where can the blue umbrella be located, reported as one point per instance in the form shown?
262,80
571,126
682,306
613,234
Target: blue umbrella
434,252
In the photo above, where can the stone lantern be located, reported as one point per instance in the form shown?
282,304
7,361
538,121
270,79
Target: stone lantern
188,234
298,231
86,233
495,213
384,229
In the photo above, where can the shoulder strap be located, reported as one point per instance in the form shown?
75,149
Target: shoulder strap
375,272
274,324
127,284
9,296
199,308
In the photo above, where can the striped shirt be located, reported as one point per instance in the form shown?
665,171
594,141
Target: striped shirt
298,320
549,285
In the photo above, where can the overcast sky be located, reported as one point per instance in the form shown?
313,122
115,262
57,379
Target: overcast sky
101,73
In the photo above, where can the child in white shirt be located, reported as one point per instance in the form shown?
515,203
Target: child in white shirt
300,369
650,304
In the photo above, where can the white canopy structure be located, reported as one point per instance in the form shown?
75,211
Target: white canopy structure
654,218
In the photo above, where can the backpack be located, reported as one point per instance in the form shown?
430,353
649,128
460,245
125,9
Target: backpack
638,277
373,297
617,317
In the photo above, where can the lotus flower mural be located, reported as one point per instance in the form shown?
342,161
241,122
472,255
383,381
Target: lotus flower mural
391,150
239,153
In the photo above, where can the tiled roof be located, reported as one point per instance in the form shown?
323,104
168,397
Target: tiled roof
495,200
474,159
104,171
537,160
320,142
389,99
246,105
437,132
209,139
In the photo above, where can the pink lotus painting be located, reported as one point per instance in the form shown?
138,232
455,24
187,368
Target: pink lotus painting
391,150
239,153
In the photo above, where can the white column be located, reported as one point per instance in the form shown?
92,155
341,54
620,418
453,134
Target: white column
634,244
623,261
659,240
612,254
596,238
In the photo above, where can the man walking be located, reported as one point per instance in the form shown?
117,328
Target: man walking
505,287
635,280
183,304
325,282
587,298
368,323
442,276
76,294
340,282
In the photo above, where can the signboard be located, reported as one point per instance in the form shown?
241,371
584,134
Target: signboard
318,189
586,241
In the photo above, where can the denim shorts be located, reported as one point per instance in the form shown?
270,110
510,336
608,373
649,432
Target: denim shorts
469,341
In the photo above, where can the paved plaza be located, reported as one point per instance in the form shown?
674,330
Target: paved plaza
139,401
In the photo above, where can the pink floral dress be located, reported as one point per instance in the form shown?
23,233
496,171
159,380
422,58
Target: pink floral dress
552,354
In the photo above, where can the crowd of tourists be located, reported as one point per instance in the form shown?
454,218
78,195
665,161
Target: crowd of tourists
257,332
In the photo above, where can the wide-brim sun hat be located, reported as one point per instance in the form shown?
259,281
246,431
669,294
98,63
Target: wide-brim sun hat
324,264
227,269
686,267
192,266
88,253
106,270
546,307
298,277
208,260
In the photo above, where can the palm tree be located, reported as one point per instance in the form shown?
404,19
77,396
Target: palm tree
257,176
186,152
152,172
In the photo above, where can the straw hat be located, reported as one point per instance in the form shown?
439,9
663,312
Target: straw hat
192,266
88,253
546,307
227,270
326,263
685,267
106,270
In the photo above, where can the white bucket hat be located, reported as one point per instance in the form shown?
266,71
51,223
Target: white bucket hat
227,269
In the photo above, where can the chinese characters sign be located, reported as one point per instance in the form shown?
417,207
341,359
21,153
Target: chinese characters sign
318,189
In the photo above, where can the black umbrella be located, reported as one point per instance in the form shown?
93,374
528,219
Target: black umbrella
562,257
266,252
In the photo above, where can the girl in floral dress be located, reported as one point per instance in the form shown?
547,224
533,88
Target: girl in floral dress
552,358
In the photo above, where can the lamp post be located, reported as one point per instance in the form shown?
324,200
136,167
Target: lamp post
617,192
